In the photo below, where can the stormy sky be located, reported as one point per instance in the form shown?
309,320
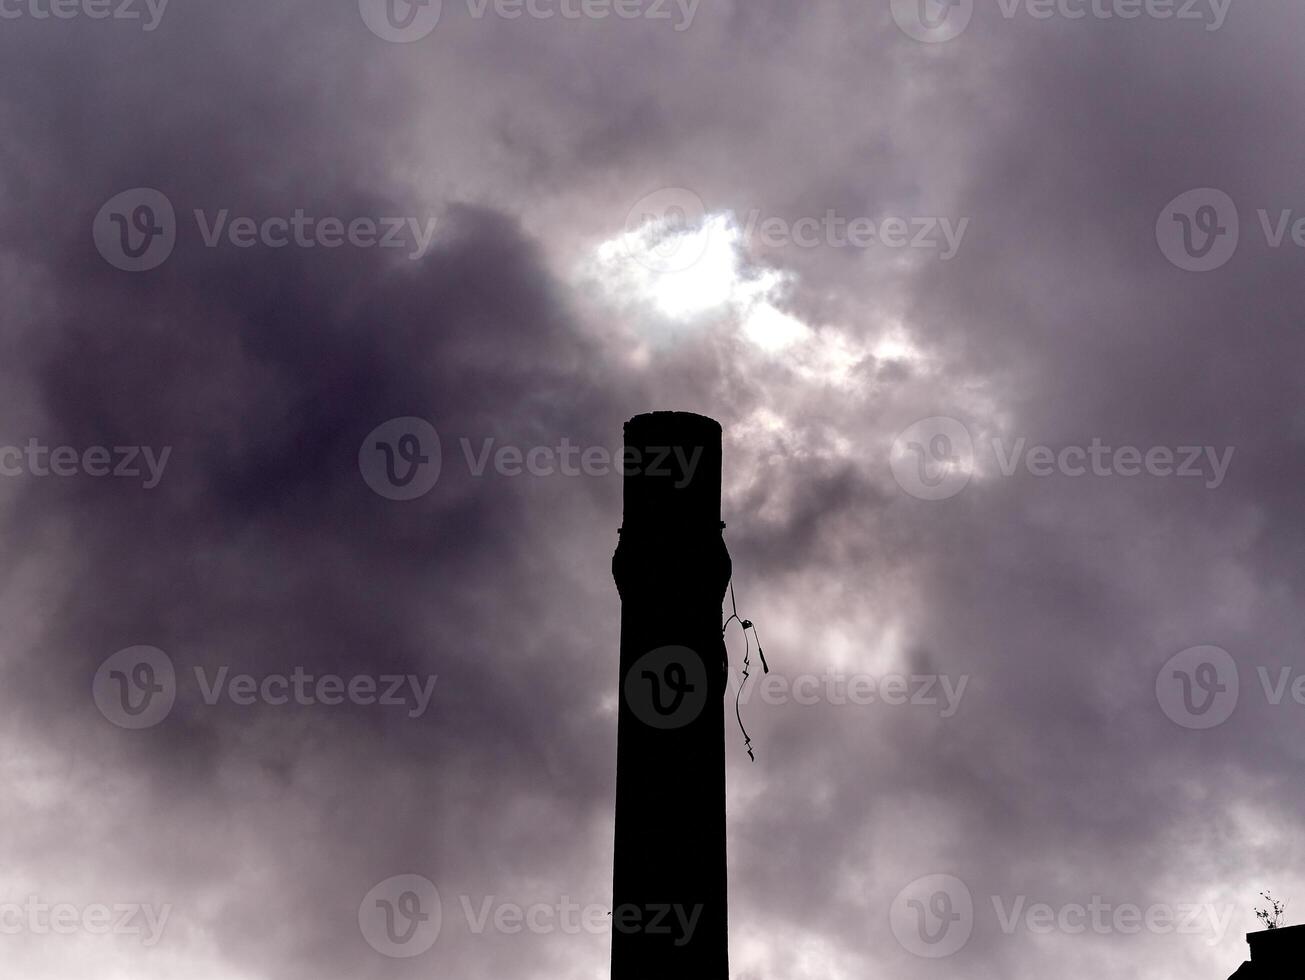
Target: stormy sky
1000,317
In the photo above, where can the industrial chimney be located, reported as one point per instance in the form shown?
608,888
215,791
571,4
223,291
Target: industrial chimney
671,569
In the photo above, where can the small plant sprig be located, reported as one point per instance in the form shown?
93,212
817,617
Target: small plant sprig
1271,916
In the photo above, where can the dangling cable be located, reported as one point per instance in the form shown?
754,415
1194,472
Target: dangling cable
745,624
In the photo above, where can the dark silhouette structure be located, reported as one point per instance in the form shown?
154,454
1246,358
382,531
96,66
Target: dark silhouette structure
671,569
1276,954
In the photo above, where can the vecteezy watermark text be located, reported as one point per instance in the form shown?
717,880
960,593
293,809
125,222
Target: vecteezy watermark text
832,230
307,231
934,917
405,21
667,688
1102,460
39,918
572,918
937,21
939,692
137,229
403,916
1105,918
569,459
305,689
935,458
1211,13
402,459
669,230
137,688
124,462
151,15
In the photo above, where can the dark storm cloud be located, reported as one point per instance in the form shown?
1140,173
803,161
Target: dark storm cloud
262,548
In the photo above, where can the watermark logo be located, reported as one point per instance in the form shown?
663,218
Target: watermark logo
664,230
401,459
933,917
401,917
136,230
667,688
933,21
136,687
1199,687
933,458
401,21
1199,231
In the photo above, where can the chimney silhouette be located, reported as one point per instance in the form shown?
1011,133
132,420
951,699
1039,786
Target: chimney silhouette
671,569
1276,954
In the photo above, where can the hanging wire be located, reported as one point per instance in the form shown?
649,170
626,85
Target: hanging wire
745,624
